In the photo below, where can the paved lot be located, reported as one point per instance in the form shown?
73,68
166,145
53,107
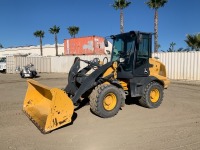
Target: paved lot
175,125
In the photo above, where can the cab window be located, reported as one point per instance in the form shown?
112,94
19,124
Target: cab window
143,52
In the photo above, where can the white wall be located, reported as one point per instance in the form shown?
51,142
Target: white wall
64,63
48,50
49,64
181,65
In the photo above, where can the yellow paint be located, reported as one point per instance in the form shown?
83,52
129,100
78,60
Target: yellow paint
112,69
110,101
48,108
154,95
124,85
101,63
159,71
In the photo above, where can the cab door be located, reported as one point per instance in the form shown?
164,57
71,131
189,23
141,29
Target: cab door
142,55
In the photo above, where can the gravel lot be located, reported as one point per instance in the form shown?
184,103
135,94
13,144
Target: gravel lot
175,125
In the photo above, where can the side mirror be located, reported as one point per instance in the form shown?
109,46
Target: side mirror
106,42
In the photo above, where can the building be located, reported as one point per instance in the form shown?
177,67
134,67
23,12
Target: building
48,50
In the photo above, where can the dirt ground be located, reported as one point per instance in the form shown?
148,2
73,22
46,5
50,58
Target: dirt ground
175,125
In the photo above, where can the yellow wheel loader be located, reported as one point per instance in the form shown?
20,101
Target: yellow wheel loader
130,72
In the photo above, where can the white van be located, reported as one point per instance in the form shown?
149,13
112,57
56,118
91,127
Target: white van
3,64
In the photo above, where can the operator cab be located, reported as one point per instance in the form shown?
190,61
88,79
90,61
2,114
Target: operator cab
132,50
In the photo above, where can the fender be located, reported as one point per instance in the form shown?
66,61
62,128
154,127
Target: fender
89,82
138,84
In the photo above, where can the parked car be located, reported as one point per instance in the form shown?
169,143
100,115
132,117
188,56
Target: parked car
3,64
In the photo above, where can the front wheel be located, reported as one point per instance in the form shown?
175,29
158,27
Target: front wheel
152,95
106,100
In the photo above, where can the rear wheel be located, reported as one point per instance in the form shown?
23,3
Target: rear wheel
22,75
152,96
33,74
106,100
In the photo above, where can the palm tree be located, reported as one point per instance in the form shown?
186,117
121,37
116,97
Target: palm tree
193,41
73,30
156,4
180,49
121,4
40,34
172,44
55,30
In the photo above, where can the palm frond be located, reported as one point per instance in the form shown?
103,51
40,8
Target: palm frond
120,4
156,4
73,30
54,30
39,33
193,41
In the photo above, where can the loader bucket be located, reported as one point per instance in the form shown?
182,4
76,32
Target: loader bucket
48,108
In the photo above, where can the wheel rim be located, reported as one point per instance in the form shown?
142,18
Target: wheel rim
110,101
154,95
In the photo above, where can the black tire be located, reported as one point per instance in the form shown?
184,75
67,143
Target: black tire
106,100
152,96
22,75
33,74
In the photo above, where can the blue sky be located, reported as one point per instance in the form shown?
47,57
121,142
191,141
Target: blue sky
20,18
